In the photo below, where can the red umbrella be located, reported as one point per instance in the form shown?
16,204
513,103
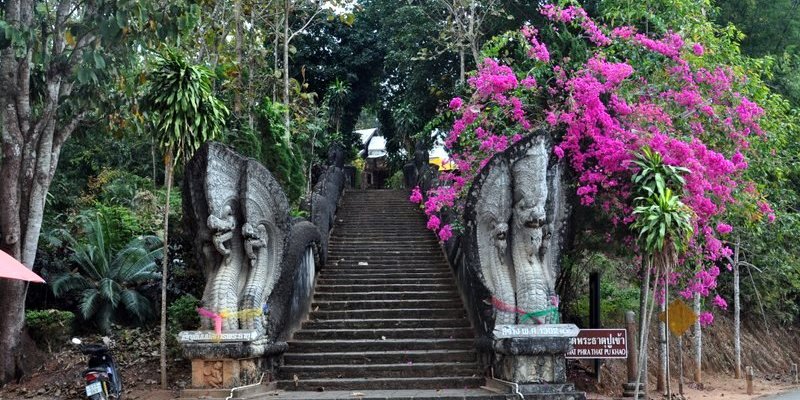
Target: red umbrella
13,269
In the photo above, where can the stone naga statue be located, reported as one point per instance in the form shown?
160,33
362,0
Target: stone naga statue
239,217
516,217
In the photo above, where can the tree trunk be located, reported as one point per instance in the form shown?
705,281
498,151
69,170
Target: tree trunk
275,54
12,301
473,32
737,307
698,343
661,384
641,370
667,377
462,72
287,112
237,94
168,170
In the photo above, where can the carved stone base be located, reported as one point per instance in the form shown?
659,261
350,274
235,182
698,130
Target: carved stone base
543,391
537,365
543,368
225,373
531,360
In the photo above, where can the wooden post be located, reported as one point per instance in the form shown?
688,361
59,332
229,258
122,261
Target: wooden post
794,374
633,350
749,377
594,312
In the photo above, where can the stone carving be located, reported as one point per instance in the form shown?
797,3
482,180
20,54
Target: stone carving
212,374
515,217
492,219
240,217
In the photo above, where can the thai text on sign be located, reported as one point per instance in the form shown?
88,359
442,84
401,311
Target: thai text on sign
599,343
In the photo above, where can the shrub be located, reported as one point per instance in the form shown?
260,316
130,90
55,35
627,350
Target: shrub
107,279
51,327
182,313
182,316
396,181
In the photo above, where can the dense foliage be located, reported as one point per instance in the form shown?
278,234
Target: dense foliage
613,92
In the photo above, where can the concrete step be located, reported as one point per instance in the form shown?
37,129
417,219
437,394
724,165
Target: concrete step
404,370
371,345
441,382
386,323
382,280
396,394
389,313
382,334
385,288
381,357
430,266
326,305
360,274
366,270
394,296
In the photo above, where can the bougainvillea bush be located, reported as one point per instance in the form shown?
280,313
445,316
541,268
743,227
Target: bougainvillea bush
609,93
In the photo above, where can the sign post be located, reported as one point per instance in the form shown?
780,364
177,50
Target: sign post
599,343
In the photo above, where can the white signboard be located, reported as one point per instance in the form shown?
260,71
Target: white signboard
546,330
211,336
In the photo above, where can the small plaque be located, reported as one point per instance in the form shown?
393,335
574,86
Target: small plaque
524,331
600,343
212,337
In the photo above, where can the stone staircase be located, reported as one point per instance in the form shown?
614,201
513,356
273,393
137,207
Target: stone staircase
386,314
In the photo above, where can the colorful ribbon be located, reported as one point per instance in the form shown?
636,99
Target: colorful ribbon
226,314
551,312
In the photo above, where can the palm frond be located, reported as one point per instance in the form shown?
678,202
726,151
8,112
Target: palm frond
137,305
90,303
65,283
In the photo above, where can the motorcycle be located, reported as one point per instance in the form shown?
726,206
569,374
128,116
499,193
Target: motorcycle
102,377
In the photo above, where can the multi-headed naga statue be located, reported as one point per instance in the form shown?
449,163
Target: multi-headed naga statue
516,217
240,219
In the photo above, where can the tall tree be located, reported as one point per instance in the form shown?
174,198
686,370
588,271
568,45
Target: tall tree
186,114
55,57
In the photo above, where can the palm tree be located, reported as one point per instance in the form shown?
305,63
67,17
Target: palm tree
107,279
186,114
664,226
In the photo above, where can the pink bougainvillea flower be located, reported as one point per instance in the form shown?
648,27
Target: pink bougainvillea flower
706,318
433,222
416,196
720,302
456,103
445,233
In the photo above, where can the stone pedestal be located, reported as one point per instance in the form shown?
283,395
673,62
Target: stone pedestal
531,360
536,364
226,363
224,373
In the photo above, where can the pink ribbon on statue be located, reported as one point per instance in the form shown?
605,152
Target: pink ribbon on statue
212,315
503,306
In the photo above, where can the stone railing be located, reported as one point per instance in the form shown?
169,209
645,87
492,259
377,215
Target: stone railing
259,263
